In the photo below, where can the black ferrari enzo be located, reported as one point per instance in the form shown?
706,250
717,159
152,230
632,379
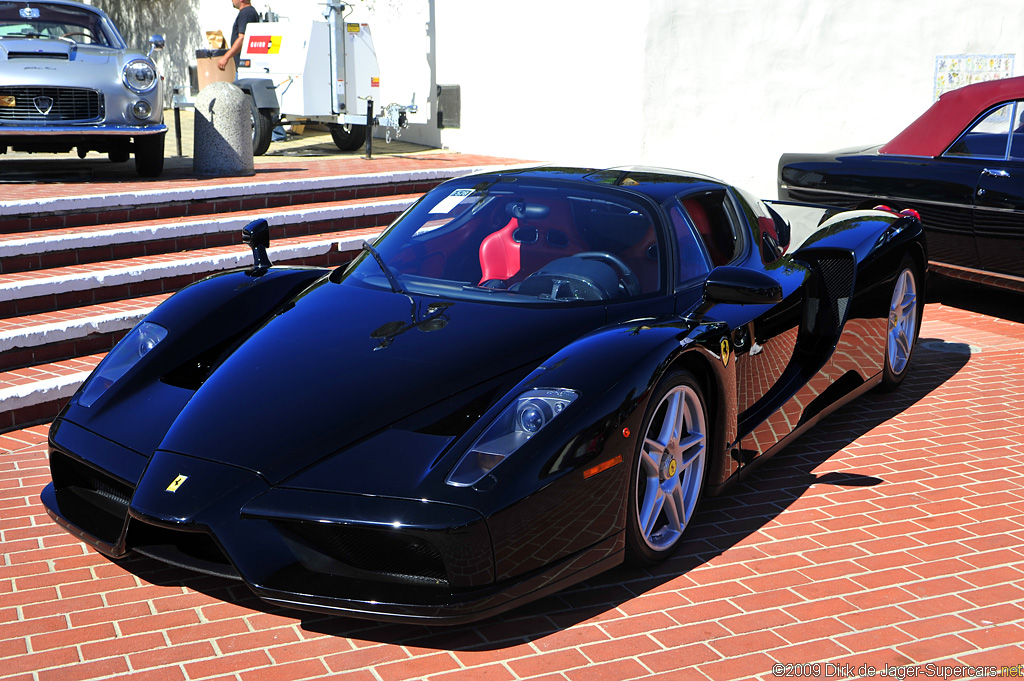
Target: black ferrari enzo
531,376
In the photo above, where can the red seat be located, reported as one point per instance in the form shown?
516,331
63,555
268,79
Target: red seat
499,254
700,220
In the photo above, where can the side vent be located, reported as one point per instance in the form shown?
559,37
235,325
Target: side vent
830,292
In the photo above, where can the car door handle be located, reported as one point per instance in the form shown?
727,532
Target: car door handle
995,173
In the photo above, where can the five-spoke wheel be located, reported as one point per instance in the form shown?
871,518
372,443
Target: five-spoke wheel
903,325
668,472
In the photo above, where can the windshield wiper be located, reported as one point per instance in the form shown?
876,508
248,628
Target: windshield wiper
22,36
392,279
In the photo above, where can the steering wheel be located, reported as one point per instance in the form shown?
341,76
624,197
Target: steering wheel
627,280
81,33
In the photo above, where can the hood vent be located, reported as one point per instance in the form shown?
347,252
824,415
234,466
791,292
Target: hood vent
62,56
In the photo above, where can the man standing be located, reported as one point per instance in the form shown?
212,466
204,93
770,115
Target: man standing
246,15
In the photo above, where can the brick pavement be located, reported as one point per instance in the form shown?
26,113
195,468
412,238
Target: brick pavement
890,534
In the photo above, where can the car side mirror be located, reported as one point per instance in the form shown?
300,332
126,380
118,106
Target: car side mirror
256,235
156,42
738,286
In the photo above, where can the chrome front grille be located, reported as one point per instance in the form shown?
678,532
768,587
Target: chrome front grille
50,105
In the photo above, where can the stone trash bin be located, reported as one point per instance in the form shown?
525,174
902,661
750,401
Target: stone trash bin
222,136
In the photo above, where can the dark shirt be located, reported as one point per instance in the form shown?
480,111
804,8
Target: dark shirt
246,16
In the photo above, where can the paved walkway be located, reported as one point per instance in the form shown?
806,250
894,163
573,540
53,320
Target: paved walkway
891,535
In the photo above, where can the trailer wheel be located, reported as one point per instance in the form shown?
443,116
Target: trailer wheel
262,129
149,155
348,137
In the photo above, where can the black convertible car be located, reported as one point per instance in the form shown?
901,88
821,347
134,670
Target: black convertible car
960,165
531,376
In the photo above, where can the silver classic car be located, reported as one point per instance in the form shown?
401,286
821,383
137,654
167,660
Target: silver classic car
69,81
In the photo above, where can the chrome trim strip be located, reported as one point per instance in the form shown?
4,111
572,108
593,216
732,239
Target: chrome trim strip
970,270
126,130
876,197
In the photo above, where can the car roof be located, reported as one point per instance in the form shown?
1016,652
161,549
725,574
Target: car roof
61,3
66,3
939,126
659,184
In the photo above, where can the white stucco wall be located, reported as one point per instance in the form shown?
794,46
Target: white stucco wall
718,87
753,80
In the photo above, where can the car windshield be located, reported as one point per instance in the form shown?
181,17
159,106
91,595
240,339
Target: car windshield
41,20
519,241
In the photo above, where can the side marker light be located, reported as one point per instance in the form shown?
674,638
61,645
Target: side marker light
603,466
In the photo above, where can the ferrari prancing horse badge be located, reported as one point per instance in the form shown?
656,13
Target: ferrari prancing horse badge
176,483
725,352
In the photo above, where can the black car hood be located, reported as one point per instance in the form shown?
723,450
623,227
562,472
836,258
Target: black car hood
342,362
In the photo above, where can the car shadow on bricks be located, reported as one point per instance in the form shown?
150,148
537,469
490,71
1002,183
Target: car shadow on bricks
737,544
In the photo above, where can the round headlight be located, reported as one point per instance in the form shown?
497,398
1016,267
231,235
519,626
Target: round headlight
534,415
531,418
139,76
142,109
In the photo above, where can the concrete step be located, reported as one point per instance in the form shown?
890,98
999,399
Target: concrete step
67,246
63,334
56,288
229,196
33,392
36,394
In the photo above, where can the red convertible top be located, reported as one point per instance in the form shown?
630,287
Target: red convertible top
941,124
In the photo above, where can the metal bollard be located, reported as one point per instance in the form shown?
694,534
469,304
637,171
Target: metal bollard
369,129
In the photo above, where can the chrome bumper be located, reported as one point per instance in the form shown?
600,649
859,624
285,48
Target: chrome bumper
72,130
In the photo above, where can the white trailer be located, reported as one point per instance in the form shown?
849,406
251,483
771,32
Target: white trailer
321,70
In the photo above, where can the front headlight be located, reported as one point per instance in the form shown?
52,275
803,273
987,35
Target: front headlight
519,422
118,361
139,76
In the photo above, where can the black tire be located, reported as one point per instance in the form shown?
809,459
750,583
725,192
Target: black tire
903,324
348,140
118,155
149,155
667,462
262,129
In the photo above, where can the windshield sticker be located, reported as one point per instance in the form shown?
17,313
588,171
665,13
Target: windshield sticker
451,201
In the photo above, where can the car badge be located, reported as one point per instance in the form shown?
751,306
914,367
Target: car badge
43,104
671,468
8,101
725,351
176,483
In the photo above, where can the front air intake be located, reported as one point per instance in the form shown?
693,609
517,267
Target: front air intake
50,104
389,554
97,502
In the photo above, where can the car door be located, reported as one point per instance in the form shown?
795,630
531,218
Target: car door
999,195
737,230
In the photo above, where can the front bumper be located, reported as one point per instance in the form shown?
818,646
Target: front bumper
80,130
361,556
